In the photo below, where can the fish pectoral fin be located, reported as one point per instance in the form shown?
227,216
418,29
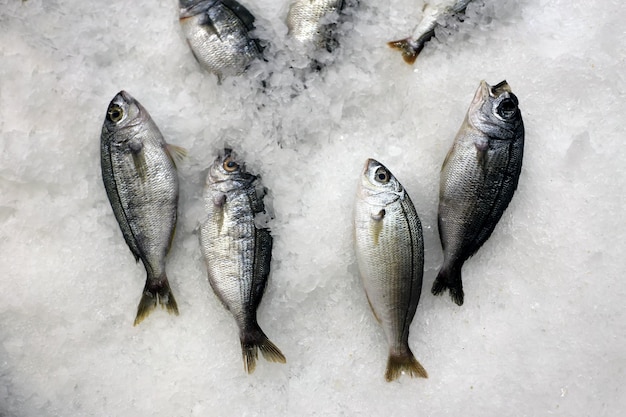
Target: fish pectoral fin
207,23
379,215
139,160
482,146
175,153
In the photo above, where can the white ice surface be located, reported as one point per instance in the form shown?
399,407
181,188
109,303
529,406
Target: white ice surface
543,328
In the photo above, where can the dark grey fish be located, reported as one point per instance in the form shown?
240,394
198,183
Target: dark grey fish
434,16
478,179
390,254
218,33
238,252
141,182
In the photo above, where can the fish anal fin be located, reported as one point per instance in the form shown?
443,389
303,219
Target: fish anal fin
372,308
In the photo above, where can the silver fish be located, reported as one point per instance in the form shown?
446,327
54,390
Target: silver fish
141,182
434,16
308,22
478,178
390,254
237,252
218,33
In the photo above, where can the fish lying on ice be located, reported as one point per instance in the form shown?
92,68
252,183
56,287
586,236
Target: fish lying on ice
238,252
478,178
434,16
309,22
218,33
141,182
390,255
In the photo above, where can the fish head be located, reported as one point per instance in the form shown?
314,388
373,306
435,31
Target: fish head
228,172
378,184
494,110
123,112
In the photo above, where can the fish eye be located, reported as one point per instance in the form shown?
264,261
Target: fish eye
115,114
382,175
230,165
507,108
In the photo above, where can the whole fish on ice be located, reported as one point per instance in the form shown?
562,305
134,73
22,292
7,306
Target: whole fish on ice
434,16
141,182
237,251
390,255
218,33
478,179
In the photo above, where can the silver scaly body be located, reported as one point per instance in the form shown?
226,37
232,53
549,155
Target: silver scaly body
390,255
141,182
218,33
308,21
478,179
434,16
237,252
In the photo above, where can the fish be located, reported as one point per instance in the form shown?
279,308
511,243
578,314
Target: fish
141,182
390,254
434,17
238,251
218,33
310,22
478,178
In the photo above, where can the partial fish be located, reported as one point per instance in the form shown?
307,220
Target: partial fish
478,179
238,252
141,182
434,16
390,254
218,33
311,22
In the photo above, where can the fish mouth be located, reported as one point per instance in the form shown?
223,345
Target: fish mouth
369,164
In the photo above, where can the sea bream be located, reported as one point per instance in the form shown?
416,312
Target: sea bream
435,15
478,179
218,33
237,251
141,182
310,22
390,255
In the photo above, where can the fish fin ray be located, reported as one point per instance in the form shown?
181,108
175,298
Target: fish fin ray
176,153
449,279
403,362
254,340
139,160
409,49
154,292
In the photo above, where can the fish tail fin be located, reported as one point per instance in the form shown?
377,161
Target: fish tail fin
449,278
156,291
254,340
403,361
409,48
